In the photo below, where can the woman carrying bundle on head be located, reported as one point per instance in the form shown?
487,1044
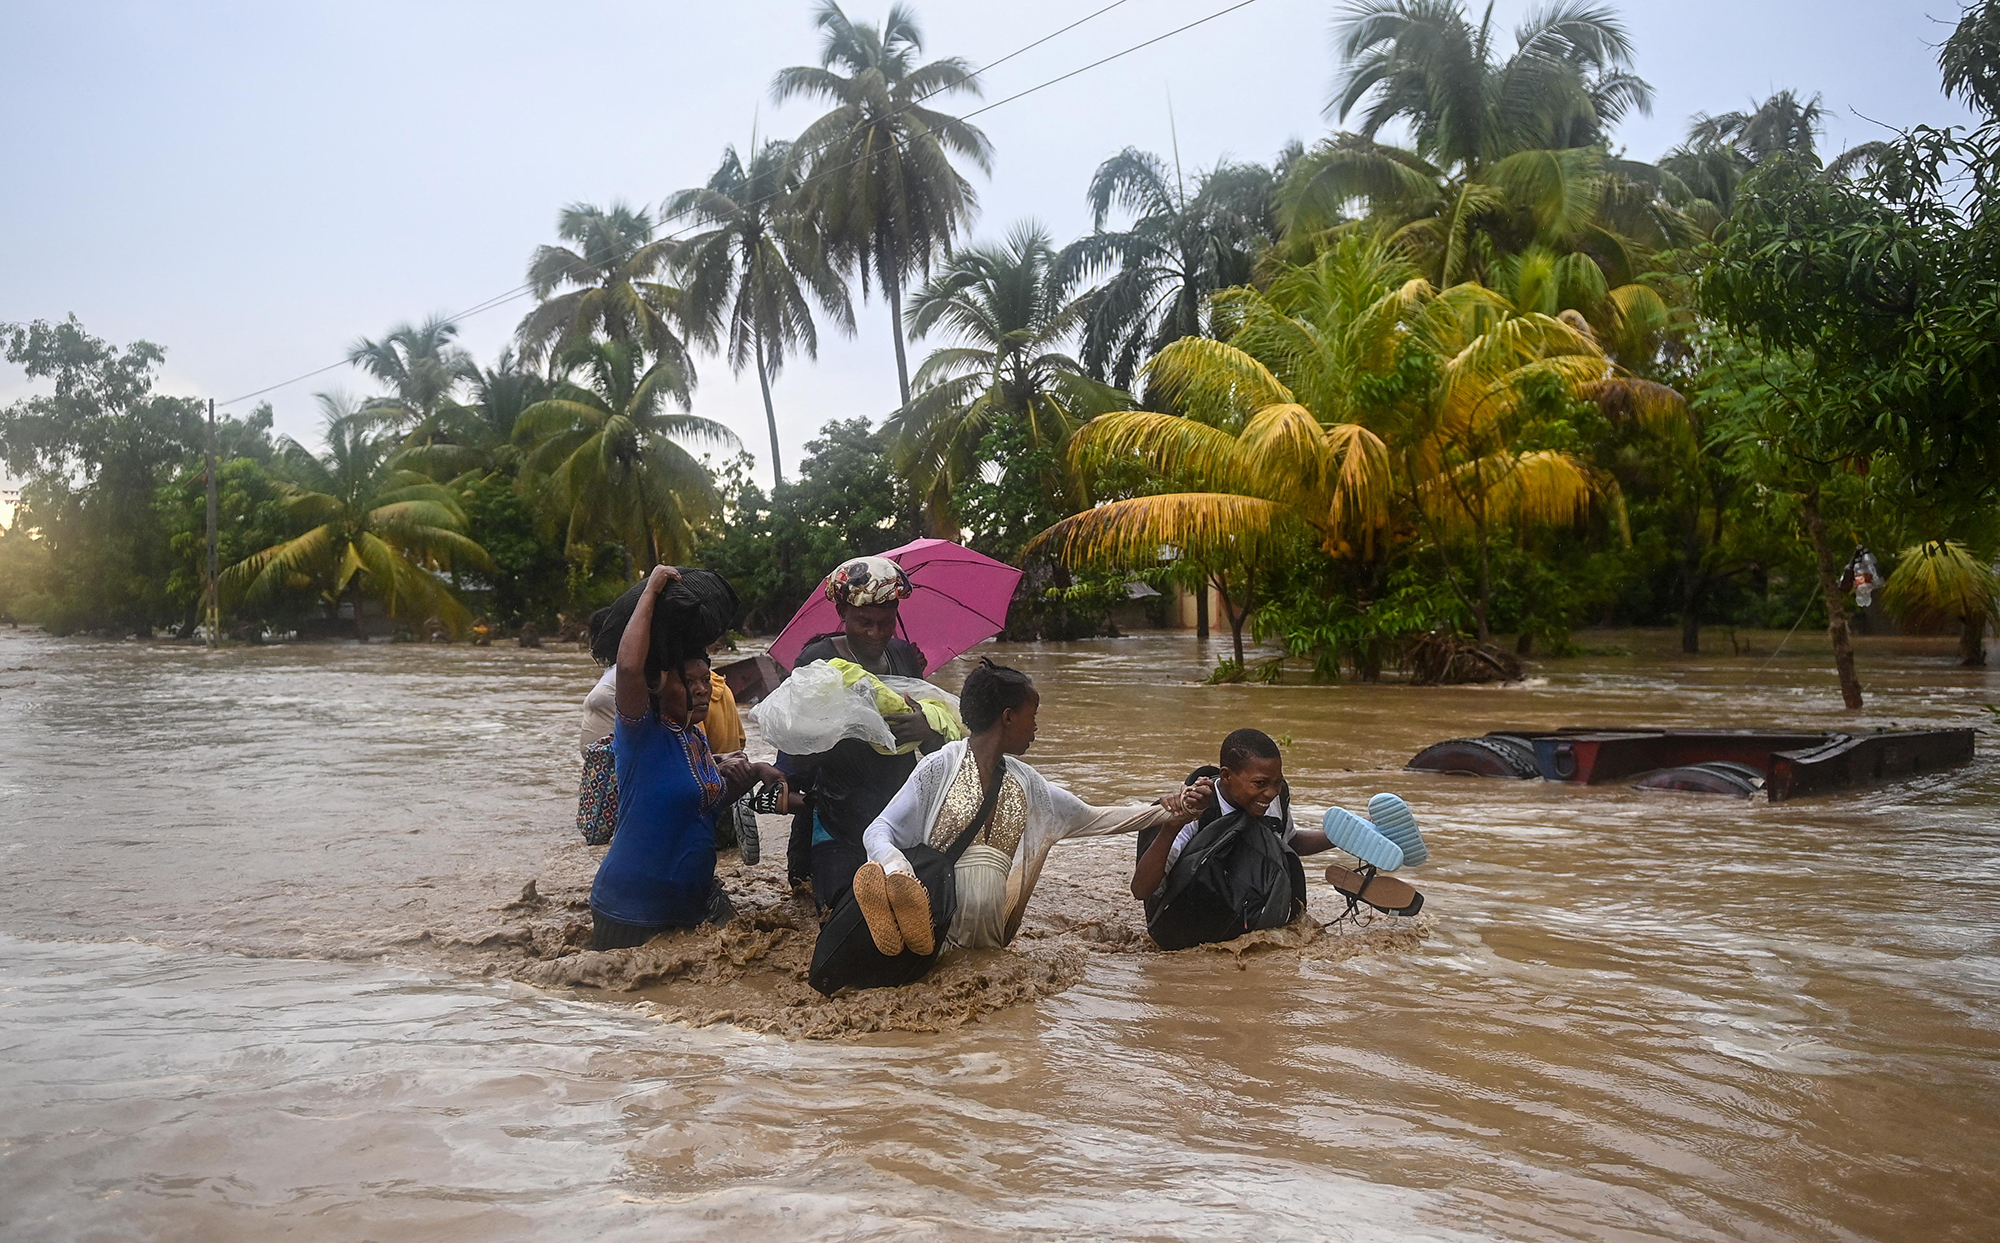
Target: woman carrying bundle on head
1015,814
660,870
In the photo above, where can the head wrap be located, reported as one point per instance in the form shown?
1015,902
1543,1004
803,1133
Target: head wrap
868,580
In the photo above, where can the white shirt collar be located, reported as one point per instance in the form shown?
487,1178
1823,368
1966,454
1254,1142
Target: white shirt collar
1224,807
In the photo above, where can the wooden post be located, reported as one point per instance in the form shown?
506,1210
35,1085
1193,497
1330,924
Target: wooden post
212,598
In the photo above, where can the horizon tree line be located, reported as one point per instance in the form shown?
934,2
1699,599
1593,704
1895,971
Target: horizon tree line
1354,390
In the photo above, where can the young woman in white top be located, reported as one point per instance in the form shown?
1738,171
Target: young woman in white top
997,873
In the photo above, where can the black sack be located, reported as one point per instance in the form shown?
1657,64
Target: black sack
845,955
1236,875
689,615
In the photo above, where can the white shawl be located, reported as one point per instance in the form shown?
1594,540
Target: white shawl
1053,815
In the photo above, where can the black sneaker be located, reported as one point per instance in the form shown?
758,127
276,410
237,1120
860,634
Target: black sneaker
746,832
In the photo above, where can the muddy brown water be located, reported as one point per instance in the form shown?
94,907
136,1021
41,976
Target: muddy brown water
267,967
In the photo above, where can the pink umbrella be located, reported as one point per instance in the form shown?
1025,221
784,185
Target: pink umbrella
961,599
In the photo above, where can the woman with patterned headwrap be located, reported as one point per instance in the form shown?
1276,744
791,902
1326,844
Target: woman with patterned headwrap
837,793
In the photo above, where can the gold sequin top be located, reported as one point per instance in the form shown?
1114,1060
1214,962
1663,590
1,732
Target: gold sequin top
961,804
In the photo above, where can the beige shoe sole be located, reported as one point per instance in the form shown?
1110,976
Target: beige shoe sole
1384,893
912,904
871,894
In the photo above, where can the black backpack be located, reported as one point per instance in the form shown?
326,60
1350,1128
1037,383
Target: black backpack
845,955
1236,875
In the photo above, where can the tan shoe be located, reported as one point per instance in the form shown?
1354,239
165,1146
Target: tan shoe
871,894
1384,893
912,904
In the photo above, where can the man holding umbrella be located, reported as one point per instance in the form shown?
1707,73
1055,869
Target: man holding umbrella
837,793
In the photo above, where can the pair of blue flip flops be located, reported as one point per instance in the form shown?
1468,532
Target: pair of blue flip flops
1387,840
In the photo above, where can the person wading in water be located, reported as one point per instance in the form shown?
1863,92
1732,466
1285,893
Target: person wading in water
835,793
660,870
997,873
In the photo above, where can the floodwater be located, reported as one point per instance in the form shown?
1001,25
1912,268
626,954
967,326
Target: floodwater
267,967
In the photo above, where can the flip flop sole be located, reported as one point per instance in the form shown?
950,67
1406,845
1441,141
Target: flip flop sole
1361,839
912,905
871,894
1384,893
1394,820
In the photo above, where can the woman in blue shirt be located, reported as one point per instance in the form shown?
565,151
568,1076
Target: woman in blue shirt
660,870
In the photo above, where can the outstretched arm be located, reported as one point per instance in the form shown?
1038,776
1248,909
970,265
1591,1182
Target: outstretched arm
636,644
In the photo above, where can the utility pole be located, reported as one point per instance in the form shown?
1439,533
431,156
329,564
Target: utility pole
212,598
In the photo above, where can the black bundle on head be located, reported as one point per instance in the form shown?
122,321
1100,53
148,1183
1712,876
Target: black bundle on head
1247,744
990,690
690,614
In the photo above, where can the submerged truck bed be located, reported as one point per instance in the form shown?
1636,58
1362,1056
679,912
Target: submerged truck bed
1783,764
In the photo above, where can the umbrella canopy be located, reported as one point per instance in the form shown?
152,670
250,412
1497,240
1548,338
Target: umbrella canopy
961,599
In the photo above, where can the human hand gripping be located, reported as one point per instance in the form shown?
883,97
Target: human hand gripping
1187,803
913,726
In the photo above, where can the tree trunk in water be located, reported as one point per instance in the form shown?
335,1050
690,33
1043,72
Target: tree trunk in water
1972,642
1201,611
1692,583
893,286
360,634
1235,617
1485,591
1836,616
770,411
1691,615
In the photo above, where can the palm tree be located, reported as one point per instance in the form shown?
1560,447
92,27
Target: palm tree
419,362
373,529
1508,153
1722,150
756,267
1178,250
477,436
1004,308
1940,582
607,282
604,453
1566,84
1283,434
880,182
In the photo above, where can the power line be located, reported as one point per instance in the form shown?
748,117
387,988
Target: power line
519,290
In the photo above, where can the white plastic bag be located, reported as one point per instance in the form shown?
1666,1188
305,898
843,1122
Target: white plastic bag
814,709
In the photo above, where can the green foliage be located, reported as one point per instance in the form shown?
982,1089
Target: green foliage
1387,391
252,514
775,549
1354,617
529,581
95,453
1886,290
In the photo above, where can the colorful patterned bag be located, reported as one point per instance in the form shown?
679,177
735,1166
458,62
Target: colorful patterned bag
597,795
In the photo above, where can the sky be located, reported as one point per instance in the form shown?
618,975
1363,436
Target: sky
254,186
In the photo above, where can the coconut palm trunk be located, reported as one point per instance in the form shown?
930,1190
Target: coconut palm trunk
892,285
770,411
1836,614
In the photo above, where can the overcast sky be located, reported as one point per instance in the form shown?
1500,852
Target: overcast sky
253,186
